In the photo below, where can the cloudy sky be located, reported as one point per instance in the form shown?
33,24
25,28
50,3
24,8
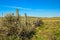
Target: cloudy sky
38,8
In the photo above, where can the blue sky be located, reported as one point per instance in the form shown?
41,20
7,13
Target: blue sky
38,8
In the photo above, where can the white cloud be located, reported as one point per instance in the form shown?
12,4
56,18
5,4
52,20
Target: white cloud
29,9
15,7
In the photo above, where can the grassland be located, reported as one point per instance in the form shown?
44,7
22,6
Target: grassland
50,28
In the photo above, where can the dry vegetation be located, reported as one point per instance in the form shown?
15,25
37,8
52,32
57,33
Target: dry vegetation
29,28
49,30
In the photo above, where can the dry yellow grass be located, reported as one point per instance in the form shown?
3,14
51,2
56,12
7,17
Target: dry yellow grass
51,26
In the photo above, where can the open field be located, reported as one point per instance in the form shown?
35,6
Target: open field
50,30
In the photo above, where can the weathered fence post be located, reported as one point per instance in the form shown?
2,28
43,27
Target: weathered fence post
25,17
17,13
18,17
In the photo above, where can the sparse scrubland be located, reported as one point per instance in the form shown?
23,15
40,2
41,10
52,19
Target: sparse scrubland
49,31
45,29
